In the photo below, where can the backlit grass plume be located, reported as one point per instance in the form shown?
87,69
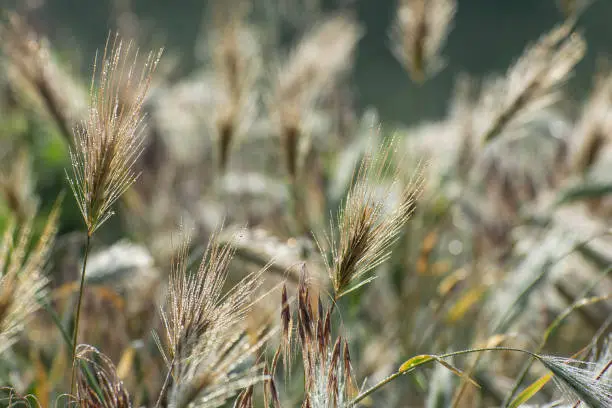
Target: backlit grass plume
208,352
531,84
111,140
370,220
420,31
22,280
17,186
109,143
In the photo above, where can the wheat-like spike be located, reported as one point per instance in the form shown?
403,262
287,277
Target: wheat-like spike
17,186
321,55
573,8
419,32
109,143
367,227
531,84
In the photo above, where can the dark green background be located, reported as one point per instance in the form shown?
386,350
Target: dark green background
488,36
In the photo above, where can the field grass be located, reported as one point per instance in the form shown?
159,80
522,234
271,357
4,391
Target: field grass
245,237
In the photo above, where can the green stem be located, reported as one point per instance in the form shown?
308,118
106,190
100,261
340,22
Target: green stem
441,356
377,386
78,314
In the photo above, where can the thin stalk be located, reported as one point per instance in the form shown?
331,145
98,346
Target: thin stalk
441,356
162,393
78,314
377,386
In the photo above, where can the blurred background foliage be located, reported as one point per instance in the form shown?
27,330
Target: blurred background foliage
488,35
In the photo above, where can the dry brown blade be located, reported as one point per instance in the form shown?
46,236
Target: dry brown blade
326,364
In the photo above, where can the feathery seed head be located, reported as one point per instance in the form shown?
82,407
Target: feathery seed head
594,126
237,65
530,85
17,186
30,55
109,143
367,226
209,352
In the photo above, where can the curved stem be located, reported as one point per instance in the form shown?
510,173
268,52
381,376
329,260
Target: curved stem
447,355
78,314
377,386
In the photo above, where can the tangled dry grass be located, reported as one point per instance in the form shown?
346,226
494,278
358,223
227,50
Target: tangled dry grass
275,247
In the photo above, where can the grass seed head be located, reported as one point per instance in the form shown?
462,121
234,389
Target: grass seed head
419,33
367,227
109,143
530,85
206,340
